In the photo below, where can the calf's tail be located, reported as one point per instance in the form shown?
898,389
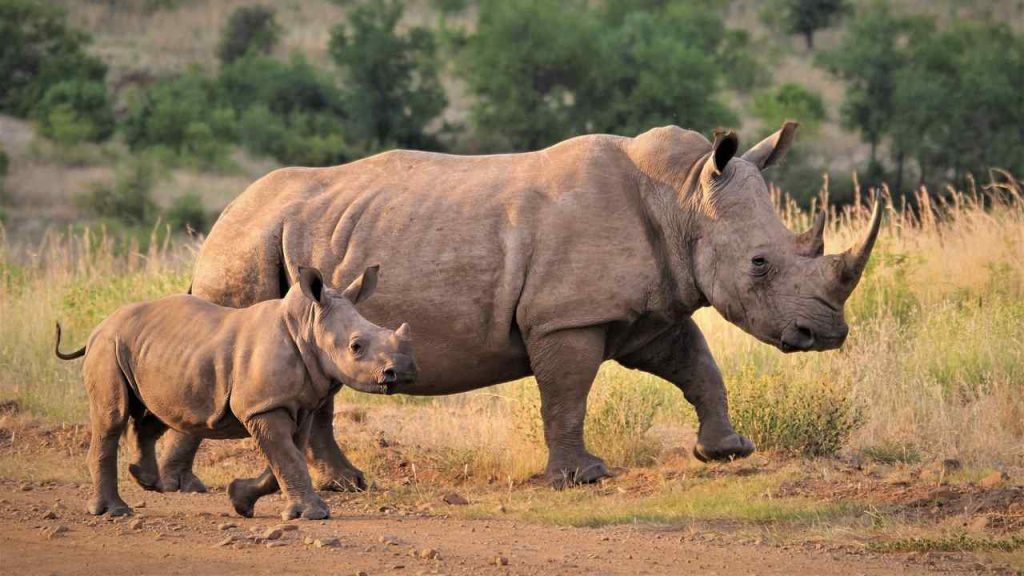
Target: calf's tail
76,354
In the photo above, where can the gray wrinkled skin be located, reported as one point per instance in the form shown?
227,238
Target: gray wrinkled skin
545,263
216,372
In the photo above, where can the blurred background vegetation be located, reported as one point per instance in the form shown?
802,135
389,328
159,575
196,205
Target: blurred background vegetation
132,112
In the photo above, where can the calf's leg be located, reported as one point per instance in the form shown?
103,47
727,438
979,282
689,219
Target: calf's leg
281,441
108,416
565,363
682,357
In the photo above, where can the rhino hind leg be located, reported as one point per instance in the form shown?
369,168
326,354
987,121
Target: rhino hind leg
146,429
108,417
565,364
176,459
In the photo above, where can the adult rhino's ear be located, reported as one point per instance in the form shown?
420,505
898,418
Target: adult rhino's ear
773,148
312,283
361,288
725,146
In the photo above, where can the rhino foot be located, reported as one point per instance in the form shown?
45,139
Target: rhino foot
314,509
729,447
113,506
147,479
242,497
183,481
587,470
340,479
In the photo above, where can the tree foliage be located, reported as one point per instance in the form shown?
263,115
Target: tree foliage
543,71
46,73
392,86
250,30
805,17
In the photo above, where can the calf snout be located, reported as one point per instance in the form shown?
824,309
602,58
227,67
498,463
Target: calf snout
401,369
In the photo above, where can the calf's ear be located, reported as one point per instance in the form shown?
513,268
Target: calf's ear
773,148
361,288
312,283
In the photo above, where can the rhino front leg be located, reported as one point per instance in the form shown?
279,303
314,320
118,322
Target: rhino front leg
178,454
281,440
331,469
682,357
565,364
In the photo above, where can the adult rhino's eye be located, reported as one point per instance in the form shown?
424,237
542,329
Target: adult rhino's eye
356,347
759,264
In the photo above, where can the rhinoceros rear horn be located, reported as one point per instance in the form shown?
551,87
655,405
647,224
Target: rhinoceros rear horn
852,262
812,242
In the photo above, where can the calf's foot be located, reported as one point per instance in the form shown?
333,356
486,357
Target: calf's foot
109,505
729,446
243,494
584,468
313,508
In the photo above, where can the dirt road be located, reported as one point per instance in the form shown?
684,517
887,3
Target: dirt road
46,531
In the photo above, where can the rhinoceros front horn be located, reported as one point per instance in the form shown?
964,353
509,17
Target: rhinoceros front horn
851,263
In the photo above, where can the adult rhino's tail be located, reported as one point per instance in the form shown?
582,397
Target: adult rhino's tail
76,354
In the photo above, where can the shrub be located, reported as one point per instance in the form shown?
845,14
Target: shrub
187,212
129,198
39,50
186,115
790,102
75,111
809,418
287,111
250,30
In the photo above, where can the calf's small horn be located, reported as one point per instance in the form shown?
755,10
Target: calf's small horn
853,261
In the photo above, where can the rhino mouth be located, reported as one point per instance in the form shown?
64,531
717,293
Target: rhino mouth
384,388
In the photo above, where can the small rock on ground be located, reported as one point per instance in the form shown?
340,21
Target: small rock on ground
326,543
273,534
227,526
455,499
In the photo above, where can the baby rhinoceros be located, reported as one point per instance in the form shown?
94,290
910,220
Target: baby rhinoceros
216,372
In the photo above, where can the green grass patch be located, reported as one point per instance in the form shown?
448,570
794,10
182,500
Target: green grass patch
960,542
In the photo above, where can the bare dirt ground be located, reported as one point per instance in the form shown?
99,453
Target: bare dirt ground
45,530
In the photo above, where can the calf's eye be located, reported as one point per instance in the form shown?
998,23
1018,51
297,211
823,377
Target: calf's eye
355,347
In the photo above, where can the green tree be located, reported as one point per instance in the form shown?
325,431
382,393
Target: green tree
871,54
805,17
39,50
392,86
790,102
525,64
959,105
250,30
543,71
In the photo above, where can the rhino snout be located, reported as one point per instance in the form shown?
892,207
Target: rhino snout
798,337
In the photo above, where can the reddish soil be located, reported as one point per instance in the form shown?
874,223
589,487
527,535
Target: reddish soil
179,534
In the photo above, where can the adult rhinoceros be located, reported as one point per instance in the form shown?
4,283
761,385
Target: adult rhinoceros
545,263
